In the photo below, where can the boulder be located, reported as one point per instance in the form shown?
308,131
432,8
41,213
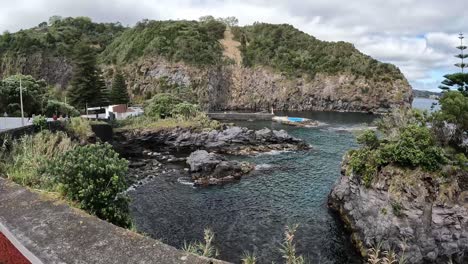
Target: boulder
211,169
203,162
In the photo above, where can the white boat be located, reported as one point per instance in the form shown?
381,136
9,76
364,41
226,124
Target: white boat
295,121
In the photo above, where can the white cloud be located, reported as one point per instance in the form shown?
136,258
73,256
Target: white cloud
417,36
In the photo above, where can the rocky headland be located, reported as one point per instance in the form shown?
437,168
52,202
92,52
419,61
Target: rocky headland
422,216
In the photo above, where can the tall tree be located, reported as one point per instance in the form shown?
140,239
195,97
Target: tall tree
119,93
102,93
84,88
34,95
458,80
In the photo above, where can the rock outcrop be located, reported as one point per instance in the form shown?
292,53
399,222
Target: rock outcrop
421,215
213,169
230,140
234,87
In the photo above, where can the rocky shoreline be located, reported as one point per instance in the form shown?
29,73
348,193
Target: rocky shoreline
418,214
198,155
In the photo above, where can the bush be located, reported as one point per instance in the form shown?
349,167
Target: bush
94,177
26,160
80,128
40,122
161,105
365,164
185,110
369,139
415,147
60,108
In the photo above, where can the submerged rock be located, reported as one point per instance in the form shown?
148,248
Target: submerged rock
421,215
212,169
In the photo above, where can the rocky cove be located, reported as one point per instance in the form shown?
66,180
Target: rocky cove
290,175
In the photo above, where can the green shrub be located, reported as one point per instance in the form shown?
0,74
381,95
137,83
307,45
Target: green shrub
365,164
369,139
414,147
60,108
185,110
25,160
94,177
40,122
80,128
161,105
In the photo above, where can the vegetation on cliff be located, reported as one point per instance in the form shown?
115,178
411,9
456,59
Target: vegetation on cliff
57,38
294,52
188,41
406,140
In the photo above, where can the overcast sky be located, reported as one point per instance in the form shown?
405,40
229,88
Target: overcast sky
416,35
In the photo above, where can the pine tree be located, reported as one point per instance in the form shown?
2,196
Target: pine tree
102,93
458,80
84,83
119,93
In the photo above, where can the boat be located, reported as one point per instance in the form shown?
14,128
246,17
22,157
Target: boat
295,121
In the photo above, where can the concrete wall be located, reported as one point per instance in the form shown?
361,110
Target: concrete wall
46,230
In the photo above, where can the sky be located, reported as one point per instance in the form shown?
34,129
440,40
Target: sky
418,36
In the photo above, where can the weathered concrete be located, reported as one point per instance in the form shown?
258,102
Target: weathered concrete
240,116
52,232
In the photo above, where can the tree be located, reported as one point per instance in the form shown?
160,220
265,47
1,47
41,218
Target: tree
458,80
102,93
119,93
85,86
34,94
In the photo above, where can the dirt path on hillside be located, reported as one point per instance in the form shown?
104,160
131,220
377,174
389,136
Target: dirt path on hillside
231,47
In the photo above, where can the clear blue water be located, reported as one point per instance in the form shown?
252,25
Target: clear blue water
251,215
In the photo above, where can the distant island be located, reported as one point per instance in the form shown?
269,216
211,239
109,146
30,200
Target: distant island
426,94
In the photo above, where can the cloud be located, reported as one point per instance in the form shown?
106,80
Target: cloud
417,36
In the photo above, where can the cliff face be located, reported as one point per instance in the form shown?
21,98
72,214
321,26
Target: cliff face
418,214
55,70
234,87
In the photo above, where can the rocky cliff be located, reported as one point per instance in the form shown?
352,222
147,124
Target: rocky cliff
234,87
421,215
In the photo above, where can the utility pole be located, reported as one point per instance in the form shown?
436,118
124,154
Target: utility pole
21,101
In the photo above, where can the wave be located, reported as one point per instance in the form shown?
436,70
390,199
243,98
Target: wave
185,181
351,128
263,166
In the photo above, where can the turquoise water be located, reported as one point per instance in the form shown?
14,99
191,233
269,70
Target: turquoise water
250,215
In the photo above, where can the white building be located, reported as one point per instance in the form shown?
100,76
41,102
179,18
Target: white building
118,111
